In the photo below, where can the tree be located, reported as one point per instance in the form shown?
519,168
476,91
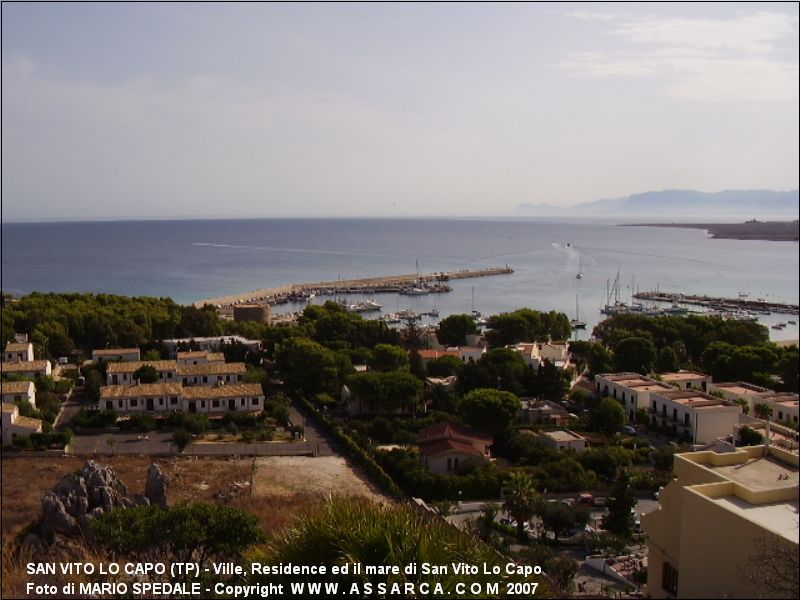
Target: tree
521,500
762,410
181,438
360,531
185,532
444,366
667,361
663,458
562,571
619,519
608,416
453,330
635,354
558,516
146,374
386,357
773,568
552,383
600,359
492,411
750,437
307,366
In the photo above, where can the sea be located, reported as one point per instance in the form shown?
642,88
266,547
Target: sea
190,260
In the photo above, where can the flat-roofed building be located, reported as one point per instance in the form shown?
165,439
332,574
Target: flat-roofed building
211,343
563,439
695,415
18,352
199,357
17,391
740,390
211,373
632,389
686,380
116,354
535,353
541,412
28,368
784,407
14,424
727,526
122,373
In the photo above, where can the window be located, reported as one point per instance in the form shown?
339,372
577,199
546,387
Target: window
173,401
254,401
215,403
134,402
119,403
161,402
686,419
669,579
780,415
241,401
205,379
227,377
202,404
17,398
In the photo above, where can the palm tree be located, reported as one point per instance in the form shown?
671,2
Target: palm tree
762,410
521,500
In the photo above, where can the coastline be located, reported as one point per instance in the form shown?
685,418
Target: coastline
771,231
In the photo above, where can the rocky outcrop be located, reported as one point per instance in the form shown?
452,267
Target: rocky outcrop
155,488
79,498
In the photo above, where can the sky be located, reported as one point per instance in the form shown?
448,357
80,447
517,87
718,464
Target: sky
264,110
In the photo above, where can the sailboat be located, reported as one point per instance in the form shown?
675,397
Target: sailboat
580,269
576,323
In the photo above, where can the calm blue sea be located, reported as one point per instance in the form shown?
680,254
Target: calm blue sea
192,260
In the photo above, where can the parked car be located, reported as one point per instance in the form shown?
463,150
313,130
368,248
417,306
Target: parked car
629,430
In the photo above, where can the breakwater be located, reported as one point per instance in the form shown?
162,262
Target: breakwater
413,284
715,303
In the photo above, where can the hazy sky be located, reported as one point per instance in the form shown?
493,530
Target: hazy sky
237,110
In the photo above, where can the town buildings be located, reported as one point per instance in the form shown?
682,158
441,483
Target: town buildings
446,447
14,424
694,415
563,439
727,526
116,354
632,389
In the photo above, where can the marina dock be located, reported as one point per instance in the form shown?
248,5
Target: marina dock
423,283
710,302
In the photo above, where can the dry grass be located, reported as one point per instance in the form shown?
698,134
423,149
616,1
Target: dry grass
25,479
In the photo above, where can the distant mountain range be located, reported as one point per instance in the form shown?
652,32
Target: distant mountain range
680,204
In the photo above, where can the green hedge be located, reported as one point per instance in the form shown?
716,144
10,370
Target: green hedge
356,452
43,441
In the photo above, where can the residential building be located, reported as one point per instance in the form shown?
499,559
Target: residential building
535,353
211,344
169,397
784,407
541,412
685,380
446,447
116,354
18,352
695,415
740,390
17,391
199,357
28,368
122,373
727,526
14,424
563,439
211,373
632,389
463,353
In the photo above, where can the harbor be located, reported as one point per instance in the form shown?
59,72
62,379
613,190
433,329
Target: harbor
711,303
413,284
